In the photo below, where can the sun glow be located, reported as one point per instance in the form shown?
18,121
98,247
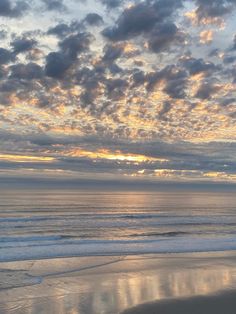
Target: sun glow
116,155
21,158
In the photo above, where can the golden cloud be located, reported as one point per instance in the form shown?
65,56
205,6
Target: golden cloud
24,158
110,155
206,37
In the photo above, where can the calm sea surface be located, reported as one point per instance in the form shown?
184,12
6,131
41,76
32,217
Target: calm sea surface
47,224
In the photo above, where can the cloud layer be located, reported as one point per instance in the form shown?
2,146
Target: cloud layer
118,89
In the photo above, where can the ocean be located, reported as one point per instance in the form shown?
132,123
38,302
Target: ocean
38,224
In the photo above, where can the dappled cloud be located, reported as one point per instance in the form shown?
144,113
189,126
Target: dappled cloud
106,86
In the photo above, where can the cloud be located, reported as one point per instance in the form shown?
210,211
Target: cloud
75,44
196,66
116,88
234,43
138,78
211,12
60,30
21,45
3,72
214,8
5,56
112,52
3,34
173,78
163,35
145,85
228,59
206,90
28,71
8,9
57,65
112,4
119,157
55,5
206,37
93,19
133,22
140,18
166,107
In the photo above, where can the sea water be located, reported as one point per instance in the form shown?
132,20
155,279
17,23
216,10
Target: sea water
38,224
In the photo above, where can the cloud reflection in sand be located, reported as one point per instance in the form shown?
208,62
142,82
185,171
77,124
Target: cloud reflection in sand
111,289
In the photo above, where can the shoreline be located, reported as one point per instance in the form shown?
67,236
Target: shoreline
158,255
116,248
114,284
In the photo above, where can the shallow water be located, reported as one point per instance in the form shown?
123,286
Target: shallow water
47,224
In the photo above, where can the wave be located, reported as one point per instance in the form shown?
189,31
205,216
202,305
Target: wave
114,248
79,225
164,234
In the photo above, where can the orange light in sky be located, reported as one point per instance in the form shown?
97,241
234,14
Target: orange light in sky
116,155
20,158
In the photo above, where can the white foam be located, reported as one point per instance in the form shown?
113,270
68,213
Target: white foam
100,247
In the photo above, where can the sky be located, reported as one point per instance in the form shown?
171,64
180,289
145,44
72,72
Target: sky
118,90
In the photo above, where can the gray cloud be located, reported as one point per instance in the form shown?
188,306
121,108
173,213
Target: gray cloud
26,71
13,10
138,78
163,35
3,72
195,66
206,90
214,8
112,4
229,59
75,44
5,56
175,78
94,19
112,52
116,88
3,34
56,65
141,18
55,5
166,107
234,43
228,101
60,30
21,45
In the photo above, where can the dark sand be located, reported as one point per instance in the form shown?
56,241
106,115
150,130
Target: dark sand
224,303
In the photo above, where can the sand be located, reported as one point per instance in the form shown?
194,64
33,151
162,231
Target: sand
222,303
172,283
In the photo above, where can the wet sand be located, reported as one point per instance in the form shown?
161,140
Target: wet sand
215,304
171,283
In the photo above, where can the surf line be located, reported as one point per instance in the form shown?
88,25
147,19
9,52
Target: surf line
122,258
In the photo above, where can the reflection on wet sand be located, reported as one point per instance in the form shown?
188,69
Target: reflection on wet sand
114,287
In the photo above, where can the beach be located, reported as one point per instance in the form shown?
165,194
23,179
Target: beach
154,283
217,304
117,157
100,252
